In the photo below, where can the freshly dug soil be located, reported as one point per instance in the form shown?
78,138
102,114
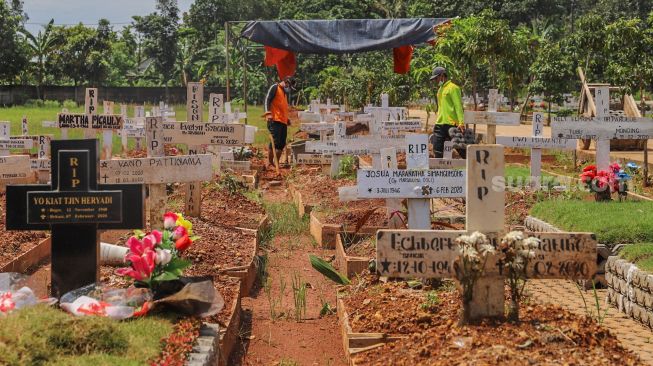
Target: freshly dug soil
322,191
15,243
395,308
223,208
546,335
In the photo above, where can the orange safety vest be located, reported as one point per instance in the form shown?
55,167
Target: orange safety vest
279,106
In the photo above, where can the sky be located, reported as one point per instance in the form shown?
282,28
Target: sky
89,11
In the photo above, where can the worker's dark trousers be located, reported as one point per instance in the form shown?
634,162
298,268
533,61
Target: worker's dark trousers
440,135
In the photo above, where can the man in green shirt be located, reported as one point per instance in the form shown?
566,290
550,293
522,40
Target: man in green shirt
450,111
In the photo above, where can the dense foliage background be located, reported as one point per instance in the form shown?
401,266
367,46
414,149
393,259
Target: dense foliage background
519,46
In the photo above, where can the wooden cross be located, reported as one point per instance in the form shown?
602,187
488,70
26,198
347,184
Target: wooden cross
74,207
603,127
536,144
492,118
90,121
13,168
417,184
431,254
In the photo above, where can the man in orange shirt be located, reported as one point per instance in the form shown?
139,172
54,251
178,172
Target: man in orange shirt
276,113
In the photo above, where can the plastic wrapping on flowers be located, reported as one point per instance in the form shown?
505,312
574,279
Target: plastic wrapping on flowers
15,295
114,303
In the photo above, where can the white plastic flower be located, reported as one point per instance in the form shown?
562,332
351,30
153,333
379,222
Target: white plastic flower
163,257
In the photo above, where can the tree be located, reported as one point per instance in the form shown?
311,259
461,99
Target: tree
587,44
123,58
476,44
13,53
41,46
552,71
160,38
83,56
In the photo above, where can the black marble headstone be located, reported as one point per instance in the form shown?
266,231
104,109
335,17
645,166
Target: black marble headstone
74,207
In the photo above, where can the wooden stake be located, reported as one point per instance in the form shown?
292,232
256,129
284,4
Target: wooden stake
274,154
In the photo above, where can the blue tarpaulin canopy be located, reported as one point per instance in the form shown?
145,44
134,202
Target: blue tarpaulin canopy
341,36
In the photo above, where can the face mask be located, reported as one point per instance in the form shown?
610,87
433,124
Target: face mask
440,83
286,90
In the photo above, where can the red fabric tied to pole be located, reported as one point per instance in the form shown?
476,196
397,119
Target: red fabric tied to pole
402,56
285,61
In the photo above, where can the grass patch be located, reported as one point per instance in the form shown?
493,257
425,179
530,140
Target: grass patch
519,176
612,222
285,219
42,335
640,254
35,116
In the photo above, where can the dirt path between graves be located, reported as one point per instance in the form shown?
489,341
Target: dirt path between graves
633,335
284,341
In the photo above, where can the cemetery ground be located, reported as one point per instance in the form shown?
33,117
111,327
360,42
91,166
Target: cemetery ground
279,310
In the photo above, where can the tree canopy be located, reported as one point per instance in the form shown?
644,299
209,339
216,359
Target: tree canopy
519,46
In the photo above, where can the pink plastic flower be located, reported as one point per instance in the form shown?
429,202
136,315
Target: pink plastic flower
150,241
157,234
141,265
169,220
179,232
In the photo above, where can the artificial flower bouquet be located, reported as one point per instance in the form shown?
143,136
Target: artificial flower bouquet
604,182
155,257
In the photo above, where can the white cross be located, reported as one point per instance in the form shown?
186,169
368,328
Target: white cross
603,127
536,144
431,254
491,118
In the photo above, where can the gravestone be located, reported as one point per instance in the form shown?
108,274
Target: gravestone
431,254
74,207
536,144
603,127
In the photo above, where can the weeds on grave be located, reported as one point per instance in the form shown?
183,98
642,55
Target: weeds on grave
327,270
232,184
347,168
470,266
517,251
431,301
326,308
594,311
285,219
275,302
299,296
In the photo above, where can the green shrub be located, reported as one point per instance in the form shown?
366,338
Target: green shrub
70,104
51,104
